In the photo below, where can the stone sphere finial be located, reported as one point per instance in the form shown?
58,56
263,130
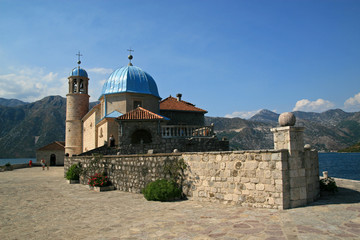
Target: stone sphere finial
287,119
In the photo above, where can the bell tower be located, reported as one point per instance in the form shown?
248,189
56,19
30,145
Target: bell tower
77,105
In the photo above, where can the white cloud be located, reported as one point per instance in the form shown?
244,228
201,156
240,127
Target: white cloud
353,103
100,70
319,105
31,84
244,115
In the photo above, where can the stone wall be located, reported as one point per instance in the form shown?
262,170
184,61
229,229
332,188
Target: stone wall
285,177
303,165
128,173
247,178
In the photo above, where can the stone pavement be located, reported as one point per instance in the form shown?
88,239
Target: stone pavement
38,204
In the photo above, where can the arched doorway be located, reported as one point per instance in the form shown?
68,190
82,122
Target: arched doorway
52,160
141,136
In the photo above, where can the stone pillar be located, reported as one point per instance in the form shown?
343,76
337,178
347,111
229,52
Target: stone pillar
292,139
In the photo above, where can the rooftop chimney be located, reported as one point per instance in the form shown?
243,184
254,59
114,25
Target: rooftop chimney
179,95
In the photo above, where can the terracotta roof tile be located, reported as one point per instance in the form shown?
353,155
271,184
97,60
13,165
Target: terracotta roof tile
172,103
141,114
57,145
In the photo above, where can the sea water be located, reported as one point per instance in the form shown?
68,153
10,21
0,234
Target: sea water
12,161
338,165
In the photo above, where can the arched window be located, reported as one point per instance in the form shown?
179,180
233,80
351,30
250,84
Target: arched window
75,85
81,86
141,136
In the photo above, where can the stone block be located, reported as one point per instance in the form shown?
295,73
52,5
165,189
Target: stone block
303,194
270,200
263,165
260,187
293,173
267,174
245,192
254,180
251,165
276,175
250,186
245,180
250,157
276,156
228,197
301,172
294,194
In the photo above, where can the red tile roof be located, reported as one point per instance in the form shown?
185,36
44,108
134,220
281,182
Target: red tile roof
57,145
172,103
141,114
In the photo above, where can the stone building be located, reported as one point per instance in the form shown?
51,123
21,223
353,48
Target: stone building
132,113
53,153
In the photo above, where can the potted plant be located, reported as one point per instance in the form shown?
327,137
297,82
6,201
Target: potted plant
72,175
100,182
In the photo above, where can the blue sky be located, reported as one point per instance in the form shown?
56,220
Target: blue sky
231,58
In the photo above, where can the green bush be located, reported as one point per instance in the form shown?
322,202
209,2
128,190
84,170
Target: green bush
73,172
162,190
328,185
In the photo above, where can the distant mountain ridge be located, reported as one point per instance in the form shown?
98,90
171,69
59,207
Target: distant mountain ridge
327,131
11,102
25,127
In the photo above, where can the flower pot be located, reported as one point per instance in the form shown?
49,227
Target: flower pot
102,189
73,181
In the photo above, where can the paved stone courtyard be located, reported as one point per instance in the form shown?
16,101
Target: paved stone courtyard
38,204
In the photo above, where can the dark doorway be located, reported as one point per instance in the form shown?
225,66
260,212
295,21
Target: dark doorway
141,136
53,160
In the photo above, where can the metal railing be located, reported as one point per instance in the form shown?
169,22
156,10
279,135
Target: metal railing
179,131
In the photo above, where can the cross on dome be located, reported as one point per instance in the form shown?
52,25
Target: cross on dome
130,57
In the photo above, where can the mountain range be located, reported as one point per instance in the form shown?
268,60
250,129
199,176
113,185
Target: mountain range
25,127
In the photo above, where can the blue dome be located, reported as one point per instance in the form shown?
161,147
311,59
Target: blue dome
130,79
78,72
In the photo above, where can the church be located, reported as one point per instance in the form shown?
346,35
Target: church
132,118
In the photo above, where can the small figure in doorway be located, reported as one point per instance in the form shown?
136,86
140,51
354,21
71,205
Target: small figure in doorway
30,163
43,164
112,141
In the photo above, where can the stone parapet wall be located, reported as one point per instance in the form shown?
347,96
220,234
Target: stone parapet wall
130,173
247,178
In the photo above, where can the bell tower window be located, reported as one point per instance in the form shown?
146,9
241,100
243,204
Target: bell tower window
75,85
81,87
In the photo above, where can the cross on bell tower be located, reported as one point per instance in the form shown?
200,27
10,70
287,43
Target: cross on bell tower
79,55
